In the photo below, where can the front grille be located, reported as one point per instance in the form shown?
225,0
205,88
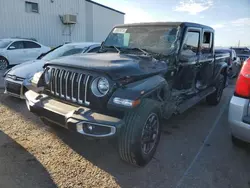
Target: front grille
69,85
13,87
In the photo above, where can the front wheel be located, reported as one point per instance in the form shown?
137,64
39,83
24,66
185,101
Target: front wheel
3,63
141,134
214,98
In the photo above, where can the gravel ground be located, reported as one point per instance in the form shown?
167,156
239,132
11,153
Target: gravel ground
36,155
65,166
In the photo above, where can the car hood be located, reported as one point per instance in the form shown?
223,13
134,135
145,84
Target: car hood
115,65
27,69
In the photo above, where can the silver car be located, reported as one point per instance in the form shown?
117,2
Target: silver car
16,76
239,107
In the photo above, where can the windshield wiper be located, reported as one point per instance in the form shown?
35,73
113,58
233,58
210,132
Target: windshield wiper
149,53
113,47
142,50
132,49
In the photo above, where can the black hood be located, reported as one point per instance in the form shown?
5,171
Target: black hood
115,65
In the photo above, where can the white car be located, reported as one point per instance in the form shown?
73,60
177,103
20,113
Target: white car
16,76
15,51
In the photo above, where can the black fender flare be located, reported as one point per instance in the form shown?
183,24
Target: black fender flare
137,90
220,68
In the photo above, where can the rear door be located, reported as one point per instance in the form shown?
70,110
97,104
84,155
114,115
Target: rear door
15,52
188,60
32,50
206,60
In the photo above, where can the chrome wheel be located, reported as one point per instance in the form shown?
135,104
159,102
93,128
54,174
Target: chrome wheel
150,133
3,64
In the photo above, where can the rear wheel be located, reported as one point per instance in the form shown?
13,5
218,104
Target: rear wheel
214,98
3,63
141,134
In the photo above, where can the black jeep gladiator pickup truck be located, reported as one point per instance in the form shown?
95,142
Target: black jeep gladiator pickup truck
142,73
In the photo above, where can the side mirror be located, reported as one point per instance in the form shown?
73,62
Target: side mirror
12,48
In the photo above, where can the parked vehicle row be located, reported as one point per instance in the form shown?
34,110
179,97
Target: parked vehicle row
16,76
15,51
234,62
242,53
141,74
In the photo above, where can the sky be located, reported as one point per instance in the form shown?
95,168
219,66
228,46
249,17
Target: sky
229,18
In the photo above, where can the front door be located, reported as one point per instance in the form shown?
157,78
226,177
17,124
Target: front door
188,60
206,61
32,50
15,53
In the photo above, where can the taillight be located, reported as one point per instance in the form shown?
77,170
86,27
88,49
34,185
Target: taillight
242,88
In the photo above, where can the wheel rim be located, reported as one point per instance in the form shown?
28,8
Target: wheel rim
3,64
220,89
150,133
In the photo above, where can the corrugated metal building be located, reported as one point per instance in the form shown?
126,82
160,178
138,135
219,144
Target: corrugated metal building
43,20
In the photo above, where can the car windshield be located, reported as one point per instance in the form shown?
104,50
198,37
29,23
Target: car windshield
64,50
4,43
156,39
221,51
242,50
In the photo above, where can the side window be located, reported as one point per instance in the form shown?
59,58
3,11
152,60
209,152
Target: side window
206,46
191,44
73,51
96,49
16,45
29,44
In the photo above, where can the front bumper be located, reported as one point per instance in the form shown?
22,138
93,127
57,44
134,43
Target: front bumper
80,119
238,118
14,88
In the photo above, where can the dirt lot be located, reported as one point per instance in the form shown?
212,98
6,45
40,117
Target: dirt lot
195,151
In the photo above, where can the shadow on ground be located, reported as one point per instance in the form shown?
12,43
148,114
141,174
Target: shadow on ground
20,169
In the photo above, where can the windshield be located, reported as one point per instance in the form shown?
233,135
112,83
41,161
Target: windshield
4,43
242,50
64,50
157,39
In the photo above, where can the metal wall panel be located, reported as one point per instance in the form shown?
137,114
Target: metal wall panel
46,25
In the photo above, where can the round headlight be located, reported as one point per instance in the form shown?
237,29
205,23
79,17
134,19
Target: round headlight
100,86
47,77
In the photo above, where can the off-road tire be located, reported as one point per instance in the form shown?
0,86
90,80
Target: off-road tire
6,62
214,98
129,143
